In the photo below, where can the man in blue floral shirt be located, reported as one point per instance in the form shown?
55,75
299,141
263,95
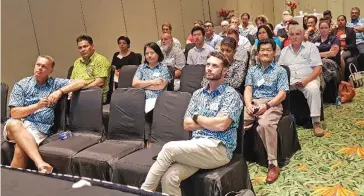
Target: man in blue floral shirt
265,88
213,115
32,103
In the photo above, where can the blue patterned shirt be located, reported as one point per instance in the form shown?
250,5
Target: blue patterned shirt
223,100
357,23
146,73
27,92
267,83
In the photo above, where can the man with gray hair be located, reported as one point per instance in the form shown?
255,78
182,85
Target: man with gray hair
286,17
304,61
173,56
225,27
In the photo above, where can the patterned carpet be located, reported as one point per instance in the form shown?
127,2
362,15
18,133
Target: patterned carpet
329,166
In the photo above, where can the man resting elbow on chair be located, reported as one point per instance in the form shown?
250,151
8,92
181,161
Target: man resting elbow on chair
265,89
213,115
32,103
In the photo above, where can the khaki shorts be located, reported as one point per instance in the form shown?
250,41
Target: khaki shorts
38,136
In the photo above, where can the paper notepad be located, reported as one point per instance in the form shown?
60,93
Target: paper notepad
149,104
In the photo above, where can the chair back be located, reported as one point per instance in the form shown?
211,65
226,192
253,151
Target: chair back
188,47
126,76
191,78
69,73
4,101
127,114
286,102
86,111
170,86
168,117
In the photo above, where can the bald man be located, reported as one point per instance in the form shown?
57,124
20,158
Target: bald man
243,41
173,56
286,17
225,27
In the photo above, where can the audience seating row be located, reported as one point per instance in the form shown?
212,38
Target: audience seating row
119,154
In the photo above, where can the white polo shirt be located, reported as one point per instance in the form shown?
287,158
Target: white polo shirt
302,63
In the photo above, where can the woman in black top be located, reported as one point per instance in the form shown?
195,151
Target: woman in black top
125,56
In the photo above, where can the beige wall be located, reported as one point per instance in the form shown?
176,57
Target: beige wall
337,7
50,27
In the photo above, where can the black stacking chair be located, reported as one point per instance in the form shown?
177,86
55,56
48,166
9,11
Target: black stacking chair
288,143
170,86
167,126
188,47
86,127
4,101
69,73
125,135
191,78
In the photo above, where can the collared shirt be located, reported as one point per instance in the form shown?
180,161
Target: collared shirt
267,83
223,100
199,56
234,76
214,41
176,43
326,46
250,29
27,92
145,73
302,63
97,67
359,35
243,41
174,58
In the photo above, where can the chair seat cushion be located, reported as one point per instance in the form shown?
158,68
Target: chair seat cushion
59,153
232,177
96,160
133,169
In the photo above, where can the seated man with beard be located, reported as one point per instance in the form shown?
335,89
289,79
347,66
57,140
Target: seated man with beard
173,56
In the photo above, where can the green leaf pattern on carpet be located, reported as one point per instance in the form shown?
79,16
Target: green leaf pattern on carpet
330,166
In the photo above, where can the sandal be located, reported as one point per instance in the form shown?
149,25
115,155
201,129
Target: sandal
45,169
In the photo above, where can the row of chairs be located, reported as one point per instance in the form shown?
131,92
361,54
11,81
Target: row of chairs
118,154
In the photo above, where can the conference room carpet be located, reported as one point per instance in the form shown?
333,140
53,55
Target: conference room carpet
327,166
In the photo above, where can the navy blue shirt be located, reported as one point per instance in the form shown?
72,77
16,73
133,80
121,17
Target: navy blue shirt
326,46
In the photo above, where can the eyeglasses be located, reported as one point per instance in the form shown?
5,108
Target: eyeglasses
208,26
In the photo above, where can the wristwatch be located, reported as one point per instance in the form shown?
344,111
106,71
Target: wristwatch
267,105
194,118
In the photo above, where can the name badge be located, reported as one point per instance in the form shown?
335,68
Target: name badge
343,36
214,106
260,82
89,70
156,74
169,61
317,43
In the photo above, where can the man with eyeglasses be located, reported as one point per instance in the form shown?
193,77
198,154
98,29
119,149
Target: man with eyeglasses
225,27
211,38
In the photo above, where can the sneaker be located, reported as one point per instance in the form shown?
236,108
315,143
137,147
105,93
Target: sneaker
318,130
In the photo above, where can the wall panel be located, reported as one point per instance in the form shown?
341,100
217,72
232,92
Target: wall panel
104,23
58,24
192,10
170,11
18,44
245,6
140,23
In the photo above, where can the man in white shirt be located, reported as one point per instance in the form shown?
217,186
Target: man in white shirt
304,61
243,41
198,54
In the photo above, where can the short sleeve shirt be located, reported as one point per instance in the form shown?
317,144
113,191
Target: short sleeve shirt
27,92
97,67
224,100
302,63
326,46
359,35
267,83
174,58
145,73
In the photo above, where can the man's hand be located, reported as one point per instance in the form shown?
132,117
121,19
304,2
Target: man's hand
356,29
43,102
158,81
301,84
262,109
250,109
53,98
